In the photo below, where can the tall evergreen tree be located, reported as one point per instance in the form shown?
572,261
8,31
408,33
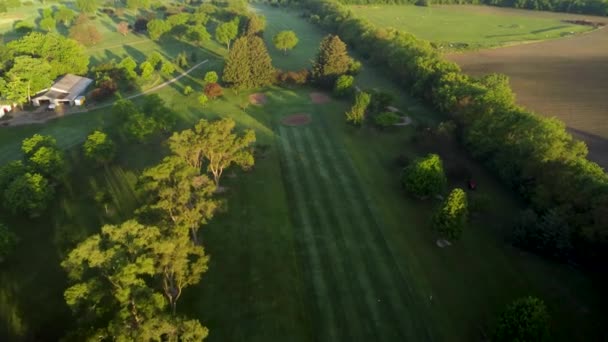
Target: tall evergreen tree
236,70
262,71
331,62
249,65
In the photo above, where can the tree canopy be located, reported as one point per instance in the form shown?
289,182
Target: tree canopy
526,319
356,114
248,65
451,217
331,61
215,146
285,40
226,32
424,177
99,148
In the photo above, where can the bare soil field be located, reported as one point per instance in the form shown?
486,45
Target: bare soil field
566,78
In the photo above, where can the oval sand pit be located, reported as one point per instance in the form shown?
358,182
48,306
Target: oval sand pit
299,119
319,98
257,99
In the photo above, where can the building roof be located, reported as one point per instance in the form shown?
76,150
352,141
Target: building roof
71,84
67,88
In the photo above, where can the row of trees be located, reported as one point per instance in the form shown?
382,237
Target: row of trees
534,155
579,6
126,281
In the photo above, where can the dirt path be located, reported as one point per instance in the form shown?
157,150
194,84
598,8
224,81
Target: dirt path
37,118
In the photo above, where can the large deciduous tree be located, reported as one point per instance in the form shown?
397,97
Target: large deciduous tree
424,177
43,156
99,148
451,217
332,61
285,40
33,73
526,319
157,27
64,15
226,32
214,145
29,194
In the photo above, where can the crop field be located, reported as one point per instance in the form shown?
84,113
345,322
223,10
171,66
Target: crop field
470,27
565,78
318,241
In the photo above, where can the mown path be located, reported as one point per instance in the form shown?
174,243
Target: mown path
359,290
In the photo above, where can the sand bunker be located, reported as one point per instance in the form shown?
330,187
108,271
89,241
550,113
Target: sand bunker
257,99
319,98
296,119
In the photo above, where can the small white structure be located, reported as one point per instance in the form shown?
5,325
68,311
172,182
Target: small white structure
5,109
79,101
64,92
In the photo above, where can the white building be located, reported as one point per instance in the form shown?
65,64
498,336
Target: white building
64,92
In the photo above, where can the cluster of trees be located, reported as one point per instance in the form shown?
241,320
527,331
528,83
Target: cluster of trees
532,154
140,123
596,7
31,63
526,319
332,61
190,27
126,281
28,185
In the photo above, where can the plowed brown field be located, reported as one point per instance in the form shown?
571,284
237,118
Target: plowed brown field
566,78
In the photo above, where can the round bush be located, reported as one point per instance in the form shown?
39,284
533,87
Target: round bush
424,177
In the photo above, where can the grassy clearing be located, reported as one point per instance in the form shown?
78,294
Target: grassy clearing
469,27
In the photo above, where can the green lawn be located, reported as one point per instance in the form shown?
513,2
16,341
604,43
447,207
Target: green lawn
318,241
465,27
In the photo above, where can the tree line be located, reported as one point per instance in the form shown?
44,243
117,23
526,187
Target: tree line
567,193
596,7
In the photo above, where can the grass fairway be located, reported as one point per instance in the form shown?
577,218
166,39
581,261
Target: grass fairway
470,27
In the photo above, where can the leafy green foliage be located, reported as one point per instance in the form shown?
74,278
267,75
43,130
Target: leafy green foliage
203,100
188,90
32,73
210,77
8,241
139,124
29,194
526,319
128,64
197,34
344,85
285,40
99,148
64,15
226,32
356,114
424,177
155,59
43,156
146,70
255,25
167,68
47,24
386,119
452,216
215,145
157,27
248,65
331,62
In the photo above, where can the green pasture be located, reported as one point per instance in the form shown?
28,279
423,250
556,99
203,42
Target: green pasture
469,27
317,242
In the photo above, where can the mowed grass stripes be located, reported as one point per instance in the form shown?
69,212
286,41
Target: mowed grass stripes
359,290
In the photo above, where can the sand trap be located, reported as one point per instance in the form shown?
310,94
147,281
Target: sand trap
296,120
257,99
319,98
443,243
405,120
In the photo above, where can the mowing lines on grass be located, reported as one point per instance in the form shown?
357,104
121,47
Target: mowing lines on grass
375,300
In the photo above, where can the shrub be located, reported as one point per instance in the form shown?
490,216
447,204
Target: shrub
424,177
356,114
355,67
203,99
386,119
188,90
526,319
294,77
344,85
210,77
380,101
167,68
451,218
213,90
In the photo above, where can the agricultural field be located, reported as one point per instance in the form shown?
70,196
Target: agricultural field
461,27
564,78
318,240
